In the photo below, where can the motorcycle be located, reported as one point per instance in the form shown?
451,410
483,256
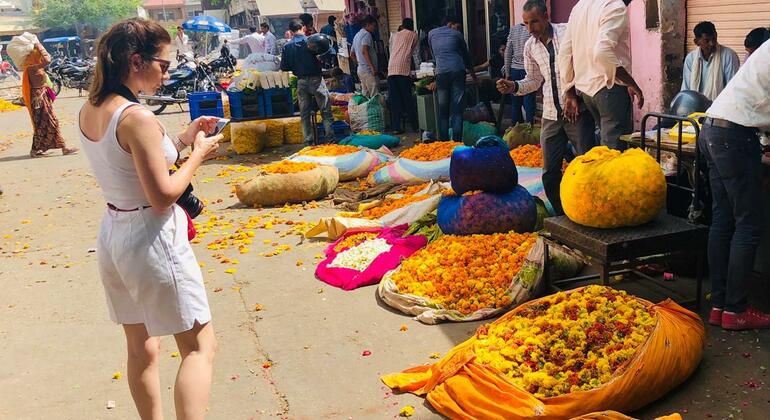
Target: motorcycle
189,76
224,66
72,73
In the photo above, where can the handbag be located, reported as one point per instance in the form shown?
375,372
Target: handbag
50,92
191,232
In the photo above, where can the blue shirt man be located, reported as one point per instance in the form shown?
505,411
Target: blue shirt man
298,59
708,68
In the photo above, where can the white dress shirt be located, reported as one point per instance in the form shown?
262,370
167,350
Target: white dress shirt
597,41
746,98
537,63
182,44
269,43
255,41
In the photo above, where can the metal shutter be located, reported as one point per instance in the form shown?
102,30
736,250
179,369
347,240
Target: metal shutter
733,20
394,15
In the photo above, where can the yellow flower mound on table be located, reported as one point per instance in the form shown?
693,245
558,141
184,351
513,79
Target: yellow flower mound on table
466,273
427,152
288,167
389,204
568,342
607,189
328,150
7,106
528,155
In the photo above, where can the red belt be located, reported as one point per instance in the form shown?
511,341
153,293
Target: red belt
112,207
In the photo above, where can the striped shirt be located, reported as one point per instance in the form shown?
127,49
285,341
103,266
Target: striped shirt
514,48
540,72
402,44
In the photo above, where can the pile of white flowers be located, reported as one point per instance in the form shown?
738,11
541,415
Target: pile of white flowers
359,257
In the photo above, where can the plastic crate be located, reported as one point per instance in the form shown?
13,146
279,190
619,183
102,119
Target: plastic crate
246,106
278,102
341,129
205,103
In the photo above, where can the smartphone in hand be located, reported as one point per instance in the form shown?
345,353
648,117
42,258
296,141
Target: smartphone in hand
221,124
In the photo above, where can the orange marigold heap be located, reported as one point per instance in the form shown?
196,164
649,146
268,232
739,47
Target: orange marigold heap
328,150
392,203
529,155
466,273
354,240
427,152
288,167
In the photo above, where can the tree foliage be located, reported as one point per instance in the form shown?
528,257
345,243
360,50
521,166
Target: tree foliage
99,14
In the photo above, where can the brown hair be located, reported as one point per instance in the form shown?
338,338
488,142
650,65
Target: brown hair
116,46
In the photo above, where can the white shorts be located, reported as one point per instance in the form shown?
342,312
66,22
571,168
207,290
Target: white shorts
149,271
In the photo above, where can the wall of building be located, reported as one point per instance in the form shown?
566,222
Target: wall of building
646,60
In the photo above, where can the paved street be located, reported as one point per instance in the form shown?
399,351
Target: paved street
299,357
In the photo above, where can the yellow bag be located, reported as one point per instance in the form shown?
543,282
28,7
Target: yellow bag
272,189
607,189
688,132
459,388
274,133
292,131
247,137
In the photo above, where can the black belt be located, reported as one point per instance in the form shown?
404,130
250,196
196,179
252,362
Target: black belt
112,207
718,122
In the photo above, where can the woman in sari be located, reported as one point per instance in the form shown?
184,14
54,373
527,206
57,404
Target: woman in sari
40,105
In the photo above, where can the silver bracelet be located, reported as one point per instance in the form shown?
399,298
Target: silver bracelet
178,143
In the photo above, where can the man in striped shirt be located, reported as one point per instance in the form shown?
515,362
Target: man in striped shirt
400,99
514,70
540,56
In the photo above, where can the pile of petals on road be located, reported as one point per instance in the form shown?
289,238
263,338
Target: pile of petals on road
352,162
419,163
463,278
564,355
403,207
8,106
288,182
361,258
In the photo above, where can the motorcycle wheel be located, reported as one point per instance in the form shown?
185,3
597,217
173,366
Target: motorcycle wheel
56,86
155,106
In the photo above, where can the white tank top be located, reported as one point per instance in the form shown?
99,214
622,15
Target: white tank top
114,167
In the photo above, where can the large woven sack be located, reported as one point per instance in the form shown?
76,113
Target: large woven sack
372,141
487,166
351,165
487,213
275,189
404,170
607,189
521,134
247,137
20,47
366,113
473,132
460,388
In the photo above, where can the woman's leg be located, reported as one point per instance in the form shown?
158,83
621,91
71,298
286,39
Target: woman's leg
197,347
143,376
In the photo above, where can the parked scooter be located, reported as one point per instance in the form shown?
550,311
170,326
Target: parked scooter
189,76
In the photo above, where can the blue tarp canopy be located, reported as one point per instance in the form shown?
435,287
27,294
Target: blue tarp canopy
62,39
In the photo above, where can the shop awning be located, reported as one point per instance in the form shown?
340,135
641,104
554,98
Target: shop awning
17,25
279,7
154,4
330,5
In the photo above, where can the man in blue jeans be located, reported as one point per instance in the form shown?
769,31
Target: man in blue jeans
514,70
731,148
452,59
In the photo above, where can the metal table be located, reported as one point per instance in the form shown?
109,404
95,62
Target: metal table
620,251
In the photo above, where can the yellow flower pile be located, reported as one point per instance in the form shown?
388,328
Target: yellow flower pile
292,131
466,273
407,196
529,155
566,342
427,152
7,106
607,189
353,240
368,133
328,150
274,133
288,167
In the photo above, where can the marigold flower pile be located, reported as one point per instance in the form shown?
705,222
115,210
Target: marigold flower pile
427,152
328,150
566,342
389,204
7,106
288,167
353,240
528,155
466,273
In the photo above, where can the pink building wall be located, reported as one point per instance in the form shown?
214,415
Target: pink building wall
646,61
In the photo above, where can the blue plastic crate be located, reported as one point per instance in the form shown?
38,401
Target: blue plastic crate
246,106
278,102
205,103
341,129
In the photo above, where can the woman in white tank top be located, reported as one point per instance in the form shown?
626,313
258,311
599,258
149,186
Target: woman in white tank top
151,278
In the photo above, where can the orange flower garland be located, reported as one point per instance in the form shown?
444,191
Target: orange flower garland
427,152
390,204
354,239
466,273
288,167
529,156
328,150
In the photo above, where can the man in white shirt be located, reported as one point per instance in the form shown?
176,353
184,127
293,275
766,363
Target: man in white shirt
181,41
730,146
708,68
540,54
269,38
255,41
594,60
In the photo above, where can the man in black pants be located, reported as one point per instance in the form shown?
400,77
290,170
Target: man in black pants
400,86
731,149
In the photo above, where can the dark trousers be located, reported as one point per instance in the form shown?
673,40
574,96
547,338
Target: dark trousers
527,101
554,139
450,91
401,102
611,108
733,158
